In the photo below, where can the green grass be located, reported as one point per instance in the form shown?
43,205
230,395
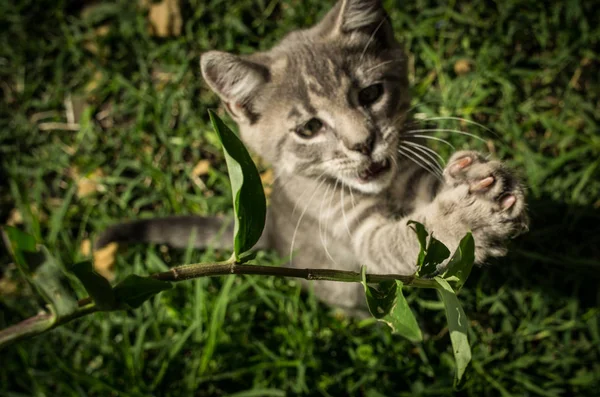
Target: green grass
534,315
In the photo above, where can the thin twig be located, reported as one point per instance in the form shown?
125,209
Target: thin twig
187,272
39,324
44,321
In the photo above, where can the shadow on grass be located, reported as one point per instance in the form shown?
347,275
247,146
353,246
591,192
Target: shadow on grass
560,255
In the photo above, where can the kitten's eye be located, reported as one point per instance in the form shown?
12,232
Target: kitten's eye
310,128
370,95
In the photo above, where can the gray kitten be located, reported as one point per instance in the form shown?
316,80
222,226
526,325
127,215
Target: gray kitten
326,107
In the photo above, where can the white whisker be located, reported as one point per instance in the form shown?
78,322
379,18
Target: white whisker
300,220
426,149
426,166
403,114
327,222
463,120
433,164
352,198
321,234
370,40
395,161
446,130
344,211
433,138
381,64
302,195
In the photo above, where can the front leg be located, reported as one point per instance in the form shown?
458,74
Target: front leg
478,195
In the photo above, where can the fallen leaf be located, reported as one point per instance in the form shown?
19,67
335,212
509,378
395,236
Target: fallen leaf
86,247
8,286
94,81
161,78
267,179
92,44
86,187
104,261
164,17
462,67
88,184
201,168
14,218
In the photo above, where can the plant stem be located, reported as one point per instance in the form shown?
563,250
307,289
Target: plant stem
197,270
41,323
44,321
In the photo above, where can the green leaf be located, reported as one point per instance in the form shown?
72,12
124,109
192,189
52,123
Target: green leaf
17,241
248,256
97,286
42,270
53,285
249,202
437,252
462,261
458,325
432,253
387,304
422,234
135,290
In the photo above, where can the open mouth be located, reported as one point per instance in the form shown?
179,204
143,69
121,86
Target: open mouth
374,171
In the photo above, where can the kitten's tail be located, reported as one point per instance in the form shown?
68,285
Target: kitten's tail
175,231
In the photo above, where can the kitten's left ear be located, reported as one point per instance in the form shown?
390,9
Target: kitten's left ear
236,80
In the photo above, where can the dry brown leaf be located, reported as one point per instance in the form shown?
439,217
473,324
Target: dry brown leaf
462,67
14,218
89,184
201,168
91,45
161,78
267,179
86,247
104,261
94,82
7,286
164,17
86,187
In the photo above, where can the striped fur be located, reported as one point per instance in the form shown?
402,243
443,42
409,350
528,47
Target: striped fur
343,196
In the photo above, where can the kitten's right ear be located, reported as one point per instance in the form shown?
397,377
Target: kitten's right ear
351,15
235,80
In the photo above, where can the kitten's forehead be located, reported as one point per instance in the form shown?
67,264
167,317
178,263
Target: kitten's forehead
324,69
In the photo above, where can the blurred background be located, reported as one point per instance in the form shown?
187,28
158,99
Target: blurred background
103,117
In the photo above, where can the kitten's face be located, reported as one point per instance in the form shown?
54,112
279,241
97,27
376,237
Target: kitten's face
326,102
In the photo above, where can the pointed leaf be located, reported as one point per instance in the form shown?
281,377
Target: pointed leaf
437,252
53,285
135,290
42,270
97,286
422,234
462,261
458,325
387,304
249,202
17,241
432,253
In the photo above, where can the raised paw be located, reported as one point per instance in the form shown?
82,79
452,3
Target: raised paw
484,197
